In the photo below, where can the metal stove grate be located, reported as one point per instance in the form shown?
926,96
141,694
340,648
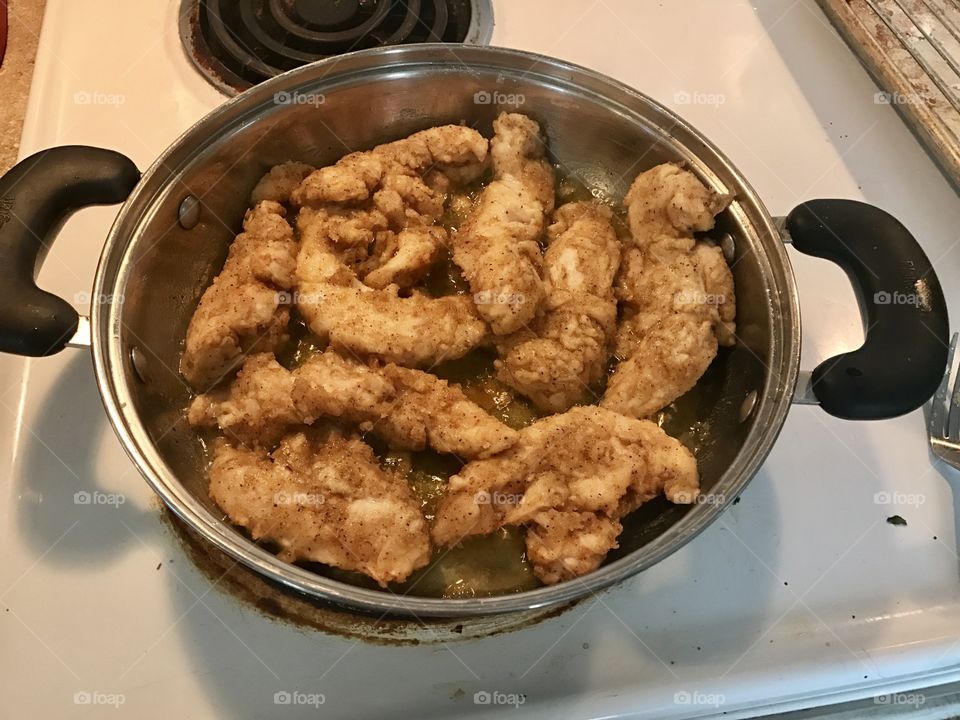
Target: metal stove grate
236,44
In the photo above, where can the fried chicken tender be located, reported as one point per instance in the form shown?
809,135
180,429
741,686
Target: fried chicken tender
414,331
322,497
666,339
397,186
518,149
367,232
568,347
668,201
718,282
377,242
407,200
350,231
417,330
498,246
569,478
497,249
362,240
453,150
408,408
410,254
257,408
280,182
376,205
244,309
676,294
565,545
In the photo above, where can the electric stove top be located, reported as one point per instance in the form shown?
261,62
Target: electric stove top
802,594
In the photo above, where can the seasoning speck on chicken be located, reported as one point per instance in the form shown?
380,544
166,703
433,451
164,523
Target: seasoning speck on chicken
243,310
323,497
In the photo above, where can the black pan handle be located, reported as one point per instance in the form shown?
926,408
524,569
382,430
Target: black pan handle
903,359
36,196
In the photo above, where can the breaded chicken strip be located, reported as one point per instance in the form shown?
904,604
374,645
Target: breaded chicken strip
569,479
407,200
257,408
242,311
382,192
414,331
498,251
677,295
718,282
453,150
377,248
362,241
562,545
350,231
375,205
323,498
409,409
498,248
666,339
668,201
568,347
518,149
280,182
367,231
409,255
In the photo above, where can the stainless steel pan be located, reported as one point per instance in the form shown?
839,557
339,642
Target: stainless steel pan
173,230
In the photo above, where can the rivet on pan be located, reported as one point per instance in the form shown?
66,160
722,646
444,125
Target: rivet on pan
139,363
189,213
728,246
748,404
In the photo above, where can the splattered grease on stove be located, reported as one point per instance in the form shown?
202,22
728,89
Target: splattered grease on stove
459,369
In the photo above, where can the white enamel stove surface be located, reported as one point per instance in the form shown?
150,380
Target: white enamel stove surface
802,594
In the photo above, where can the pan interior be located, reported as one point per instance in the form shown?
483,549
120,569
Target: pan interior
598,131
